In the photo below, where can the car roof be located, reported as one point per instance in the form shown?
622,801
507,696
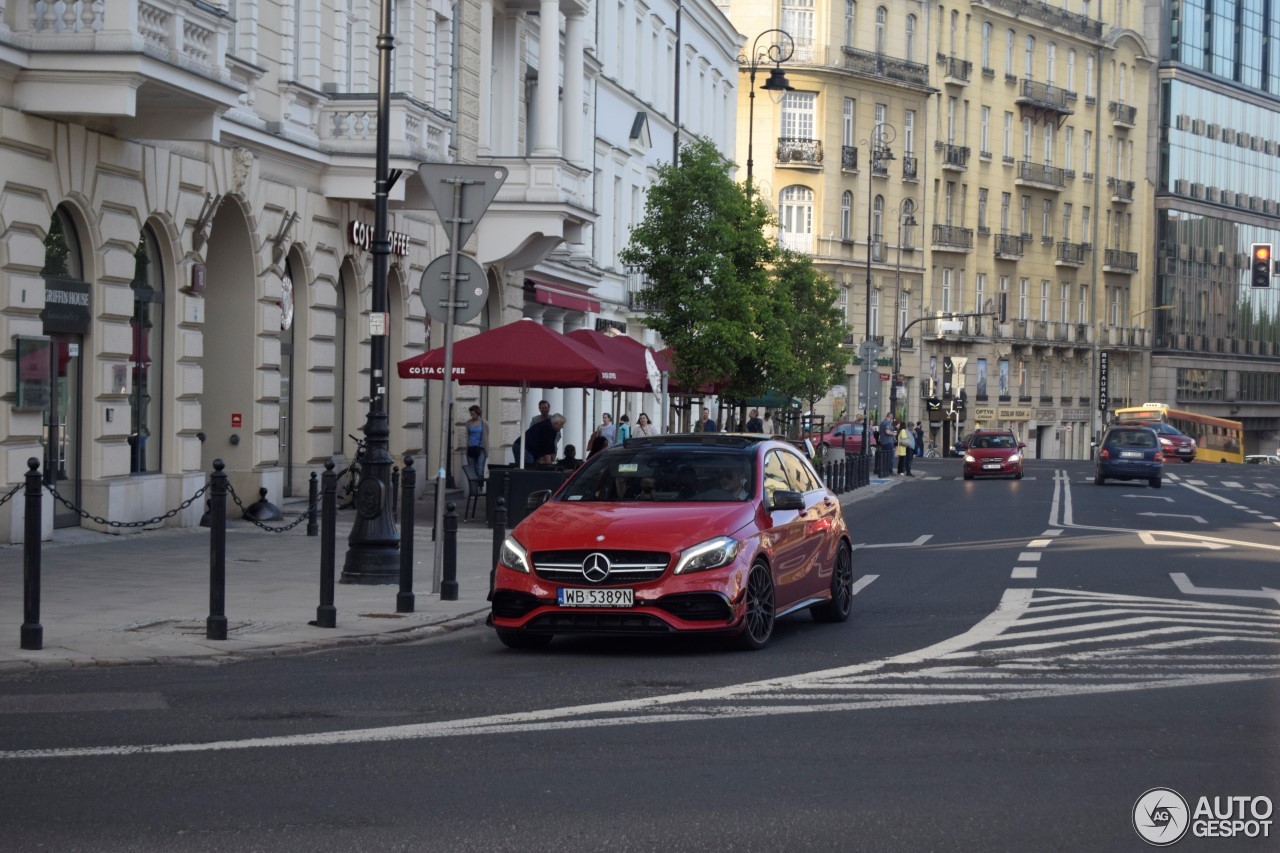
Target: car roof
992,431
702,439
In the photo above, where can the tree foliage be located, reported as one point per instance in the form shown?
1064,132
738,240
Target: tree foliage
738,310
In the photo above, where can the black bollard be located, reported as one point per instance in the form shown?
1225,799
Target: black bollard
449,584
326,613
32,632
499,536
313,493
405,598
395,488
216,625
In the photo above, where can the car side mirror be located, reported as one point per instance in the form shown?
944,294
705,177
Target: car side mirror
1022,445
537,499
787,499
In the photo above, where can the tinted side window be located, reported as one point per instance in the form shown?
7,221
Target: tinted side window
798,473
775,475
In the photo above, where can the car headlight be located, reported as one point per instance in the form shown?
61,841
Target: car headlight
711,554
1015,458
514,556
968,457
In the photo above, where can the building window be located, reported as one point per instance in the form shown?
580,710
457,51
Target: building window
1025,221
1088,76
797,115
1084,304
846,215
1064,294
850,20
982,208
795,218
882,20
146,361
797,20
946,290
1066,221
911,38
847,123
1046,219
1008,52
908,132
1067,143
980,293
986,45
1029,58
1044,301
984,132
1008,137
877,227
1005,201
1024,297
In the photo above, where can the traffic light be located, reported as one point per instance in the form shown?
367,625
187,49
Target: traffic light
1260,264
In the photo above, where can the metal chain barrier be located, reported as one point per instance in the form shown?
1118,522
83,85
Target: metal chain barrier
284,529
125,524
4,500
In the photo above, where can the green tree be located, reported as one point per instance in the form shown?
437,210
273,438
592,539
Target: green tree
702,247
814,328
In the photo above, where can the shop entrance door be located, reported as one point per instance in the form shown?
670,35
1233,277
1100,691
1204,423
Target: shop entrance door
62,426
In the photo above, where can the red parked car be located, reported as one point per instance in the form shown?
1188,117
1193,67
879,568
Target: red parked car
993,453
843,434
698,534
1174,443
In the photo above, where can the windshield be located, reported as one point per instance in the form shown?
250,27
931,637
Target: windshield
664,474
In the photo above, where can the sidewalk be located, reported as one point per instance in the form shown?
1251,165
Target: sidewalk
110,600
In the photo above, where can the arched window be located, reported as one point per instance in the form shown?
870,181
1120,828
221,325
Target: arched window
146,361
1051,60
1029,58
882,19
795,218
846,215
62,248
1008,52
986,45
908,223
850,21
911,38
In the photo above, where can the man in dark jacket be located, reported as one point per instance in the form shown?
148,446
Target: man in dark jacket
539,441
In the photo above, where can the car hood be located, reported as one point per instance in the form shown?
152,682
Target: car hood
992,452
562,525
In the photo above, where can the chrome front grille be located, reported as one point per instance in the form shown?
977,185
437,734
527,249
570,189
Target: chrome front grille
625,567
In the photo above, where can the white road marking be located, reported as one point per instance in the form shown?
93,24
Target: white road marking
1150,497
1231,484
862,583
1055,531
1174,515
1213,543
919,540
1039,543
1024,573
1185,585
991,661
1196,482
1029,556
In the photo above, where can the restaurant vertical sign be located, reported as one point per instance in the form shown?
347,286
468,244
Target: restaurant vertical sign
1103,396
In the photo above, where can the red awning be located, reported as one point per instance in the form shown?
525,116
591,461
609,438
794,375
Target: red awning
562,296
521,353
619,354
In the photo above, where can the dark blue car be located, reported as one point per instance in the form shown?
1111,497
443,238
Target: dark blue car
1130,452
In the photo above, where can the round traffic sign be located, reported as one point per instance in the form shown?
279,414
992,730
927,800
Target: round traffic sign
469,296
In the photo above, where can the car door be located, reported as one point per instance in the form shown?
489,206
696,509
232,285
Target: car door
783,537
821,512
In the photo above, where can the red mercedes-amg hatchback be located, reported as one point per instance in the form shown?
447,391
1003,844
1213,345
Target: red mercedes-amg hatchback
699,534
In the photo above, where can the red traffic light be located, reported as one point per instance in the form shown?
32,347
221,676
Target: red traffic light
1260,264
1262,252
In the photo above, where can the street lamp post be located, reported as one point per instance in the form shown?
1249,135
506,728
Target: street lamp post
881,135
1128,379
777,84
910,222
373,547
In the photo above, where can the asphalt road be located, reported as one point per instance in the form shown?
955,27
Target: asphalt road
1029,658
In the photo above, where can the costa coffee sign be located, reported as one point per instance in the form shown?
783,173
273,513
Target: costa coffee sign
362,235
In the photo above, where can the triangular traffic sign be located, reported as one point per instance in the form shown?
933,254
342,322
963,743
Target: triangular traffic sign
480,186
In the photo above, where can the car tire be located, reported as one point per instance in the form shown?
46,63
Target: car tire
1098,479
968,476
1017,476
1155,482
523,639
841,603
761,609
1188,461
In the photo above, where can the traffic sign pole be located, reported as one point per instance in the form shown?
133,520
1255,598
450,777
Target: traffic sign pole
446,400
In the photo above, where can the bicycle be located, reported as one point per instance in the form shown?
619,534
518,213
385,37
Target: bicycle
351,476
931,451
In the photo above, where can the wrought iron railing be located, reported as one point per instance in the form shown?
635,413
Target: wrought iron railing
879,65
1042,173
952,237
796,149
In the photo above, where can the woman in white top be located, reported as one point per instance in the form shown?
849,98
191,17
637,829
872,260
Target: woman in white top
643,426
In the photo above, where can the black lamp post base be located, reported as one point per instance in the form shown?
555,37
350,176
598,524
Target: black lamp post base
371,563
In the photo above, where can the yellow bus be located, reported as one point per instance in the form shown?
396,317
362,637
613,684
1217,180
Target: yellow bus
1217,439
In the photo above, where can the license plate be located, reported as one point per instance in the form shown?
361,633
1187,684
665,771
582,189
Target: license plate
992,466
595,597
1131,454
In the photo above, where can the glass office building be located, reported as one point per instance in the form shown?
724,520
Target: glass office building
1217,346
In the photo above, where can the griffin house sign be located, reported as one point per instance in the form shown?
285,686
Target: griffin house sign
66,306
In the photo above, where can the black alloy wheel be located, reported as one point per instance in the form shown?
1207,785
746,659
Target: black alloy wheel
841,603
757,625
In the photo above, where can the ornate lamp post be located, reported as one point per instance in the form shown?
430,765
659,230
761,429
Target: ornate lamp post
881,135
777,84
909,222
373,552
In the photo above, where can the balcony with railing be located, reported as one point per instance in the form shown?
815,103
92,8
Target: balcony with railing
878,65
1122,115
848,158
144,52
954,157
349,125
1040,175
952,238
1043,97
1115,260
1008,247
1121,190
956,71
799,151
910,166
1051,16
1071,254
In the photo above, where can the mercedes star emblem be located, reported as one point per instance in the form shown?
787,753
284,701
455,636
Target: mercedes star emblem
595,567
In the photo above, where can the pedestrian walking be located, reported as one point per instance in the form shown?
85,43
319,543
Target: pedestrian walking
766,426
754,424
884,436
644,426
707,425
906,449
624,428
477,441
919,431
606,430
